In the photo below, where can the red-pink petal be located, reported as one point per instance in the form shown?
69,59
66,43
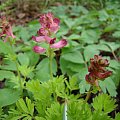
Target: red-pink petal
54,28
38,39
42,32
50,40
59,44
56,20
38,49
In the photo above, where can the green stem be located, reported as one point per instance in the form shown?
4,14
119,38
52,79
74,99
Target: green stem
51,73
101,3
97,85
88,95
114,56
50,63
18,72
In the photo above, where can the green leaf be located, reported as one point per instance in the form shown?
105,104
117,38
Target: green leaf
40,91
111,27
74,37
22,106
23,59
114,64
108,85
5,48
103,47
100,116
55,111
116,77
58,86
78,110
90,36
69,22
6,74
90,51
73,83
25,71
2,114
39,118
103,15
24,34
75,57
104,103
117,116
27,107
62,31
112,45
8,65
8,96
84,86
23,111
116,34
42,70
33,58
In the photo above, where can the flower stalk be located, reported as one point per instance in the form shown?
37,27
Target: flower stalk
50,63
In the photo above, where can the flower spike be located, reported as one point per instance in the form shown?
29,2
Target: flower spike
97,70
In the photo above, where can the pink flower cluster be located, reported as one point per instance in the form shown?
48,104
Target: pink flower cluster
97,69
49,26
6,29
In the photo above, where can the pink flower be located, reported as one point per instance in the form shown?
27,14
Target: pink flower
38,49
44,39
43,32
6,29
49,22
50,40
59,44
38,39
49,25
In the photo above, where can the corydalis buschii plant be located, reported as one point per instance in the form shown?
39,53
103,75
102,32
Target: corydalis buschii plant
6,29
97,70
49,27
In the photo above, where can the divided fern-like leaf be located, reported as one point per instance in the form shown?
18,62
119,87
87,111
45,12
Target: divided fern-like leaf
117,117
103,103
100,116
54,112
79,110
24,110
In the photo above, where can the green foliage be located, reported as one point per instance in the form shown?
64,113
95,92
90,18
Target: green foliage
79,110
5,48
42,69
100,116
2,115
5,74
25,71
23,59
108,85
55,111
72,84
9,96
117,117
24,110
104,103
